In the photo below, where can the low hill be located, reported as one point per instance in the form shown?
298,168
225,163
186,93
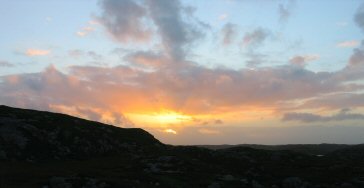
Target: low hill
310,149
36,135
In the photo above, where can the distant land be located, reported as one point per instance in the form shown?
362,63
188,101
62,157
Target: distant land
51,150
310,149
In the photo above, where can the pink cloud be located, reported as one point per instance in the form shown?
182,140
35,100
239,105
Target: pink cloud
302,60
348,44
37,52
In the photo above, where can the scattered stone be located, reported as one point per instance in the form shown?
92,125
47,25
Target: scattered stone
228,178
292,182
256,184
2,155
214,185
59,182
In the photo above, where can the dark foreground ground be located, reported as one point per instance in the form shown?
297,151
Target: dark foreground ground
48,150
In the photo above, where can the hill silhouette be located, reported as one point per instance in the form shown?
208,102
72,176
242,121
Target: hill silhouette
43,149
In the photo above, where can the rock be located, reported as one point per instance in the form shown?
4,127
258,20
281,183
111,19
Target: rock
256,184
2,155
228,178
292,182
214,185
59,182
244,181
347,185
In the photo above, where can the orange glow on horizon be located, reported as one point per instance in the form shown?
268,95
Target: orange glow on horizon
161,118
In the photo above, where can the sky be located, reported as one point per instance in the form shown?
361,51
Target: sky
192,72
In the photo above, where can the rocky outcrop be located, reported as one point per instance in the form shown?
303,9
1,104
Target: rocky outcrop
34,135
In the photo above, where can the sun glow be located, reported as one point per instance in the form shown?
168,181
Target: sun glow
161,118
171,131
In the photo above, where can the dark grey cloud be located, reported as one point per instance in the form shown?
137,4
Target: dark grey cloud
123,19
228,33
140,20
357,58
176,33
359,17
344,114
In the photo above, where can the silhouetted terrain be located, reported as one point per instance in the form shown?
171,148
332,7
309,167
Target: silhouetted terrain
50,150
310,149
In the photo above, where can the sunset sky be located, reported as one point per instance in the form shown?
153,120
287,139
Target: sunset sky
192,71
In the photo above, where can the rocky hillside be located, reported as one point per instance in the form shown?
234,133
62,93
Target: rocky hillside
34,135
50,150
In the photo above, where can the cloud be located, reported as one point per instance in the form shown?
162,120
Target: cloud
85,31
124,20
255,37
76,53
190,90
146,59
209,131
359,17
335,101
342,24
219,121
174,23
5,64
49,19
302,60
285,11
357,58
344,114
228,33
37,52
176,33
223,17
348,44
171,131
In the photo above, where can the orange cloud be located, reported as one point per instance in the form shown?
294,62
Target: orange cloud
171,131
37,52
85,31
209,131
171,97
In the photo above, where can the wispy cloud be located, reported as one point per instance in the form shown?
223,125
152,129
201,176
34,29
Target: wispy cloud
37,52
85,31
302,60
209,131
255,37
171,131
223,17
348,44
344,114
228,32
285,11
5,64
